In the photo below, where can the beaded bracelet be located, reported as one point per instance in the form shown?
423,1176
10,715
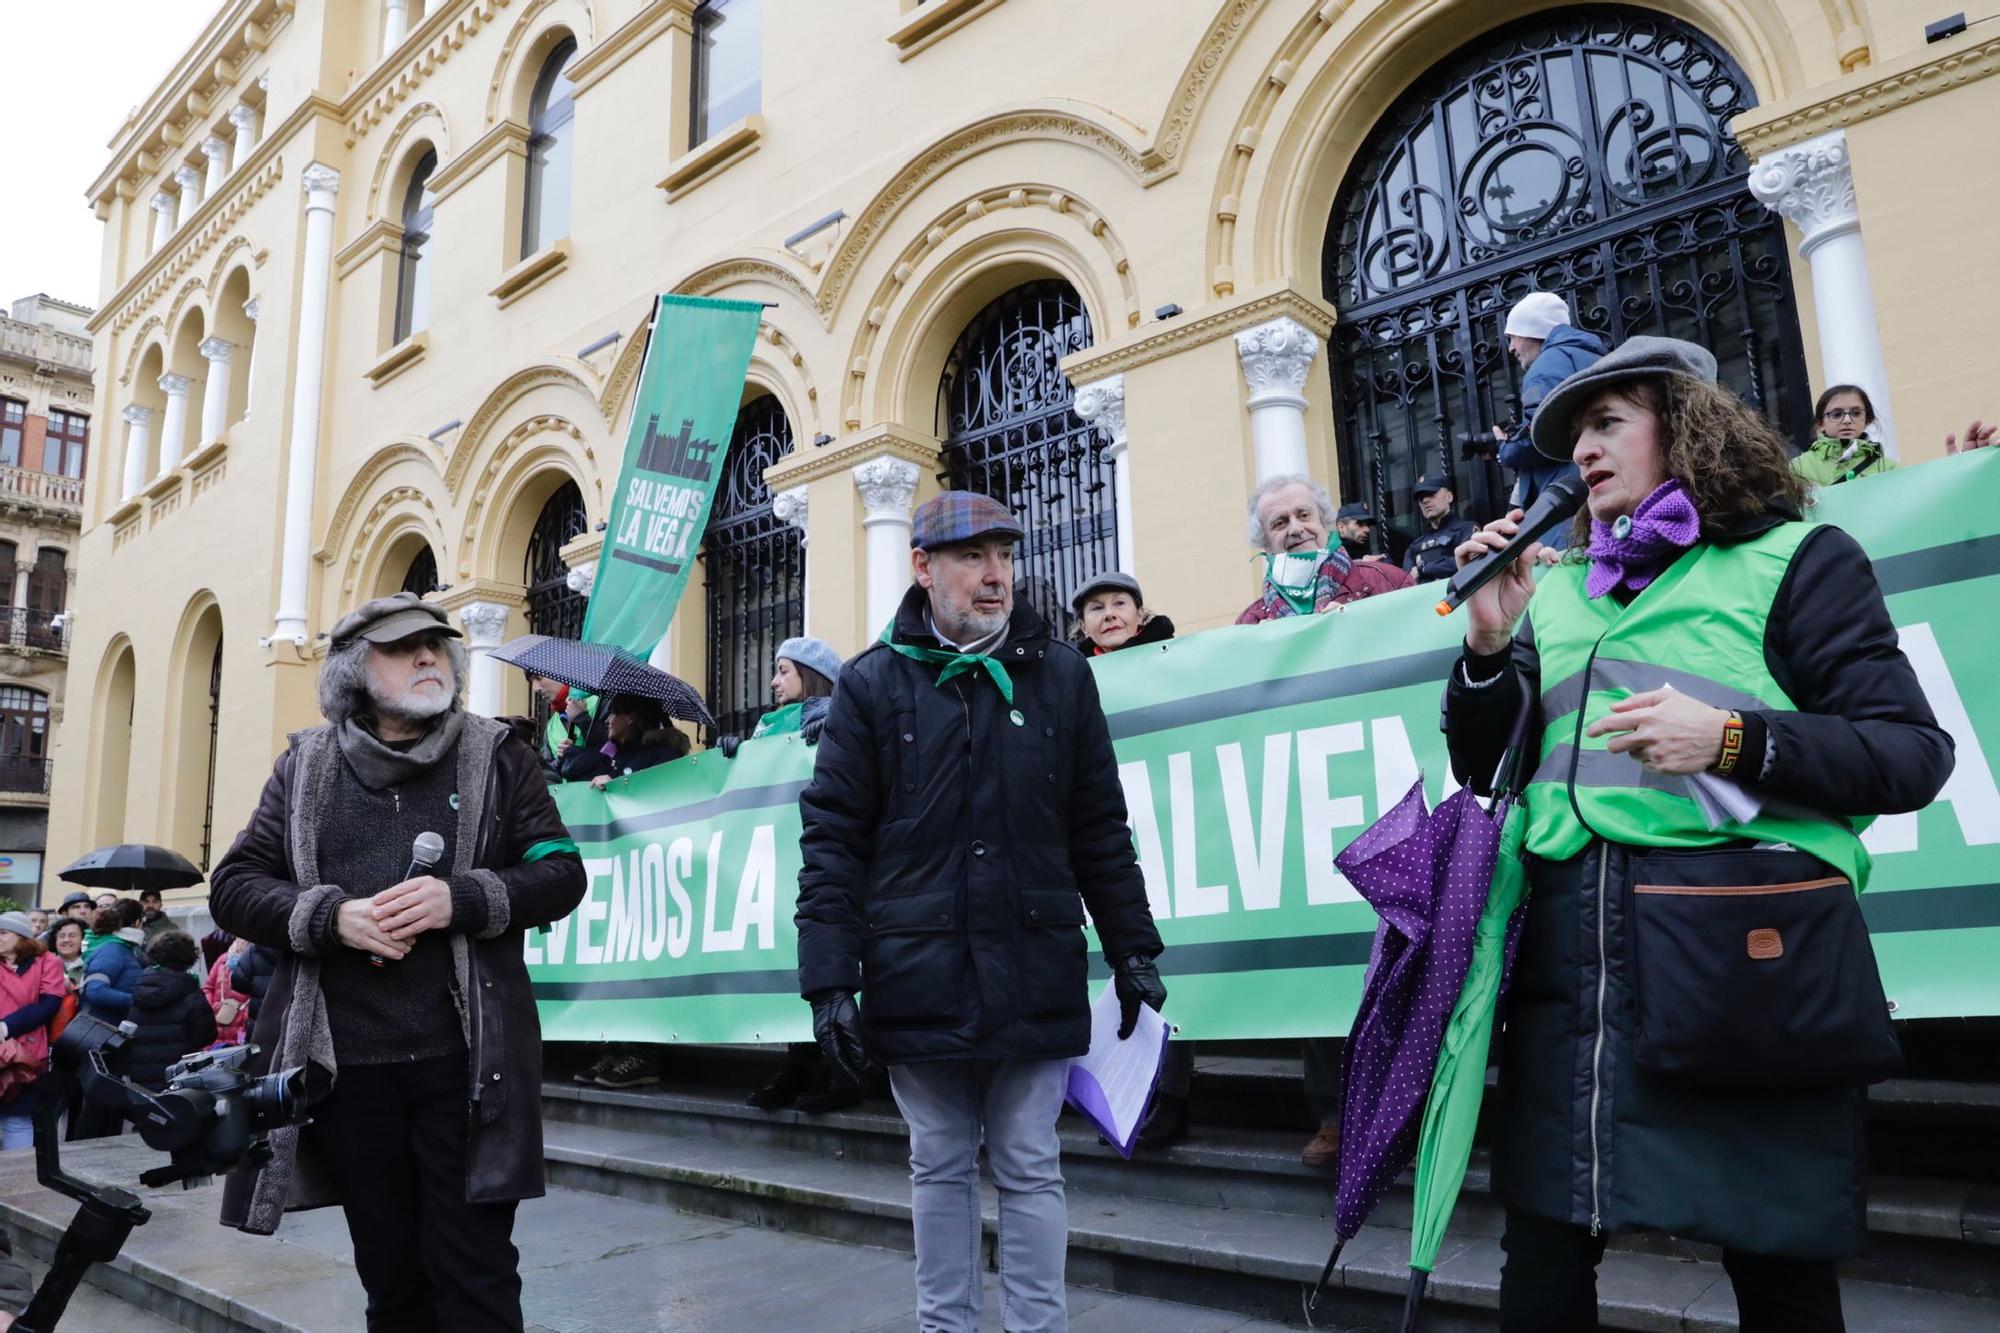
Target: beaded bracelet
1732,743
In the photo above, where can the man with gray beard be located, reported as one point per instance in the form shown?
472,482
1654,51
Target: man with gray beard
406,998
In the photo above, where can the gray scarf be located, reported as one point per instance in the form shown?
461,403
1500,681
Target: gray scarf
380,765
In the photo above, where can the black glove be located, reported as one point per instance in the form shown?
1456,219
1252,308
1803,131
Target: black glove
837,1029
1136,979
728,745
810,729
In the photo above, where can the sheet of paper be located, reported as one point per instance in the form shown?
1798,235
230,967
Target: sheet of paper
1113,1085
1723,800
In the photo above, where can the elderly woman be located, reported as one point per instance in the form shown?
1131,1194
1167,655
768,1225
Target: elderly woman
1111,615
1659,1070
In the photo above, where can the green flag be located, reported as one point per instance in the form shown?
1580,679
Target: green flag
674,452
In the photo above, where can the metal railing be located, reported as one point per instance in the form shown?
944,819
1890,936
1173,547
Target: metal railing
25,773
29,628
47,487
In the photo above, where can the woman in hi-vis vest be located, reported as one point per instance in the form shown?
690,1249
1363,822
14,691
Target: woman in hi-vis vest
1713,705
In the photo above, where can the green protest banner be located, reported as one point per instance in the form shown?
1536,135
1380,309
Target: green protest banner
1249,756
688,392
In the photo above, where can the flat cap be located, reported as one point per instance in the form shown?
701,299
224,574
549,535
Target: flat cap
387,619
1105,582
1356,512
1643,357
961,516
1436,481
74,897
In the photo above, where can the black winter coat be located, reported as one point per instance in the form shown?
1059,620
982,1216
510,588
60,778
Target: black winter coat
1762,1172
174,1021
950,854
251,971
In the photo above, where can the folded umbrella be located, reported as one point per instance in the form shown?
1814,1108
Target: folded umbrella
603,669
132,865
1427,874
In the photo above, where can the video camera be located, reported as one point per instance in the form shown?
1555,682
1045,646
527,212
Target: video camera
211,1116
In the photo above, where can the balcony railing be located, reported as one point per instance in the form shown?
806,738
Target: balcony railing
27,628
47,487
25,773
43,345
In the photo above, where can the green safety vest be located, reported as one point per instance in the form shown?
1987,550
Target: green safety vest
1700,628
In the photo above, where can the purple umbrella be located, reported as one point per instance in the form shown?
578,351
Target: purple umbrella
1426,874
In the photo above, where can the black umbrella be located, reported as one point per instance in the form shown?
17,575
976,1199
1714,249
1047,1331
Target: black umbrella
132,865
603,669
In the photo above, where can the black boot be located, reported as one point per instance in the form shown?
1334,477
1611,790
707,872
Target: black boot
1166,1123
829,1094
780,1092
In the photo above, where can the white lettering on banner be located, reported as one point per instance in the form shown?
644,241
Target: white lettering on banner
680,867
647,910
1260,855
1974,798
1145,822
756,897
654,942
621,932
1320,813
1191,896
590,909
1396,768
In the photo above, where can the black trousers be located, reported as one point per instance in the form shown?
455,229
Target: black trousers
1549,1283
431,1262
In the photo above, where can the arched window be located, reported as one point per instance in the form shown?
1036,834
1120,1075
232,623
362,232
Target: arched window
1586,152
24,739
214,727
1004,413
552,608
551,150
48,594
728,65
754,567
422,575
413,281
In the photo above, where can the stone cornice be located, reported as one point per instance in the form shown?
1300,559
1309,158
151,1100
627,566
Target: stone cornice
376,237
1868,93
885,439
509,136
1165,338
588,69
431,44
512,595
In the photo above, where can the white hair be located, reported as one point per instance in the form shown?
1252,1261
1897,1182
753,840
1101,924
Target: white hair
343,680
1271,485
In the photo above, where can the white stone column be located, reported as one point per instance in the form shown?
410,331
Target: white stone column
888,489
215,398
485,629
1102,404
1276,358
395,25
190,182
216,149
244,118
163,219
138,448
790,507
1811,185
321,183
251,309
173,430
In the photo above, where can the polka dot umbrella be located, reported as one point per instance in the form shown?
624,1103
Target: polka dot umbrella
603,669
1426,874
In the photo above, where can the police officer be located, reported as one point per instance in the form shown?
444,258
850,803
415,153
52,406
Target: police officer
1355,523
1430,555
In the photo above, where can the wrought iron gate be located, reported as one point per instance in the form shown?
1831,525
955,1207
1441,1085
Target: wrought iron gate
1584,152
1004,412
754,565
552,607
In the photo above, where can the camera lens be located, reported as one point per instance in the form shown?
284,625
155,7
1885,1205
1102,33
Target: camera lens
275,1098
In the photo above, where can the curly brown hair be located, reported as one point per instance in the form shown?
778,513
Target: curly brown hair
1732,461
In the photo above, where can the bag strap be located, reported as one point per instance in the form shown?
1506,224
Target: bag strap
1509,777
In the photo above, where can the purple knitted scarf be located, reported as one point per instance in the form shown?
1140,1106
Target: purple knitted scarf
1632,551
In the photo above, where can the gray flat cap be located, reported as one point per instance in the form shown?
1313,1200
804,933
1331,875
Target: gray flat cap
1109,579
387,619
1635,358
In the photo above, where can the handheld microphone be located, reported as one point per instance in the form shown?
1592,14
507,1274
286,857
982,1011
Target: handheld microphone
425,853
1554,505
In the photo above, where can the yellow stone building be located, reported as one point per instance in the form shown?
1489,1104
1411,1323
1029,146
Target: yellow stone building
376,273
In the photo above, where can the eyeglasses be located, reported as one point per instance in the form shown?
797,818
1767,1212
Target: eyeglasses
1847,414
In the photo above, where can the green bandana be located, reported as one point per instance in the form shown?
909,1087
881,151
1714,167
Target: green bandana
953,664
1294,576
779,720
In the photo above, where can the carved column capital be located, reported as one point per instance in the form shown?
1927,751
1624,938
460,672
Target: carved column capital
1811,185
163,203
217,349
1276,358
1101,403
188,178
790,507
136,415
321,183
175,386
243,117
888,489
581,577
485,623
253,308
214,146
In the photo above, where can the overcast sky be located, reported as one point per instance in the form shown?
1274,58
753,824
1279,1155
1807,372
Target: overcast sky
76,68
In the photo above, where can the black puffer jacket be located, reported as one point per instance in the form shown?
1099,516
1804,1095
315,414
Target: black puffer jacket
1584,1134
174,1020
949,854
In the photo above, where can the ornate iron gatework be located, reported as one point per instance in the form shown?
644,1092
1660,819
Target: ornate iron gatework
1009,432
754,564
422,576
1584,152
552,607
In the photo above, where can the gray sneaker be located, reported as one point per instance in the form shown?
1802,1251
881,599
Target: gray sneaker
597,1068
630,1071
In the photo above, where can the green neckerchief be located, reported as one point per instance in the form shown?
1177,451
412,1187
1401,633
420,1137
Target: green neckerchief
779,720
953,663
1294,576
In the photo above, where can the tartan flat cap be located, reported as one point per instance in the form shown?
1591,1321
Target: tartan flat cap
961,516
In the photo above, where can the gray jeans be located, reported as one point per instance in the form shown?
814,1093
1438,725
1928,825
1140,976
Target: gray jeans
950,1105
